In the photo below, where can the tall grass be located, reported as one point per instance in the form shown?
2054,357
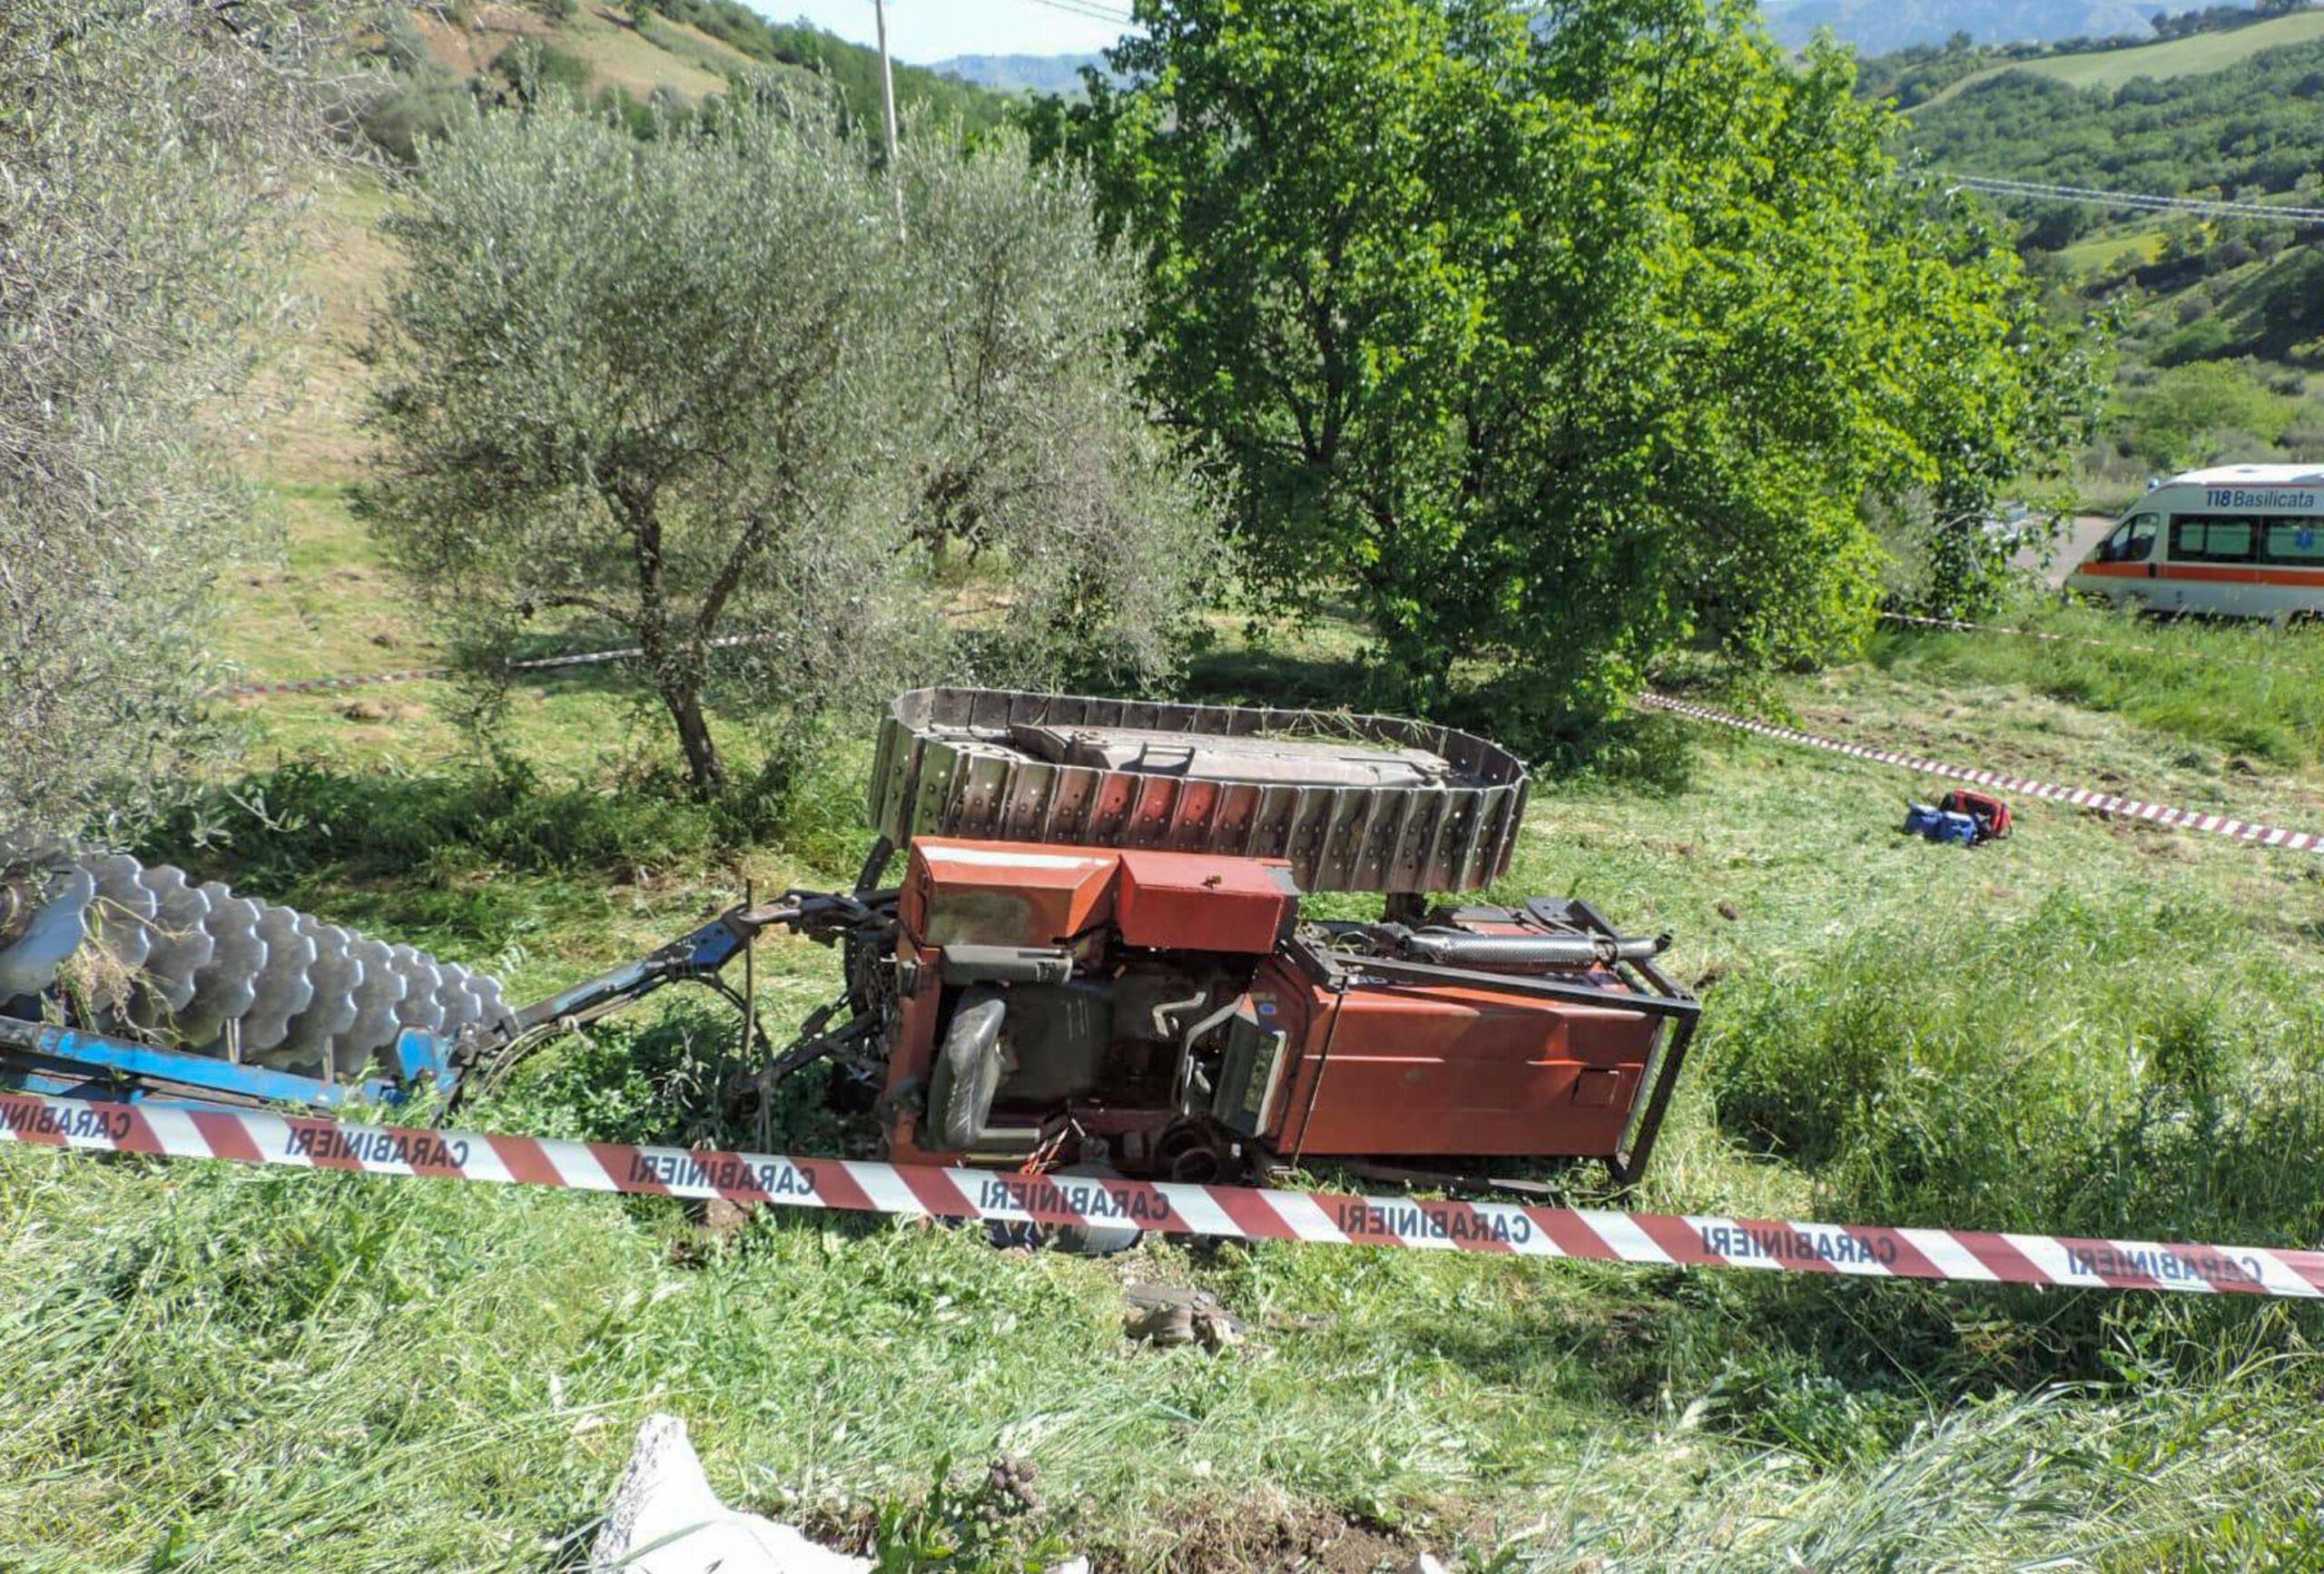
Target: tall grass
242,1369
2107,1070
2062,1480
2247,689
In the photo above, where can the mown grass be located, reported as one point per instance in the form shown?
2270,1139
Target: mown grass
2188,56
621,53
2090,1027
2245,689
2107,255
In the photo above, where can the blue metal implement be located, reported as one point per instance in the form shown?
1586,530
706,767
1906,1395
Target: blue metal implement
40,1057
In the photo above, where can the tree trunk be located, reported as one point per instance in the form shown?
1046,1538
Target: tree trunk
703,763
678,671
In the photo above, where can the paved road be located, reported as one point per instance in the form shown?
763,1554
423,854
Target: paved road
2086,532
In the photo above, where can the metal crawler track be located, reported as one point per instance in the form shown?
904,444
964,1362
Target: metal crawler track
1354,803
198,967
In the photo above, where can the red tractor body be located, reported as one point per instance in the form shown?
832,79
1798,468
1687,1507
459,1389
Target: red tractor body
1167,1013
1385,1067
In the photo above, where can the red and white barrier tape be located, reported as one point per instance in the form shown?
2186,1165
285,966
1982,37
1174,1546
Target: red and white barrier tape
317,685
2079,797
1240,1212
424,674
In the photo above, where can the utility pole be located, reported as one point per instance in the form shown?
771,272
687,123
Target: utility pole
888,111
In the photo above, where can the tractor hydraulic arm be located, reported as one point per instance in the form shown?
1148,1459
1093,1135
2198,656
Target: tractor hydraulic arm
821,916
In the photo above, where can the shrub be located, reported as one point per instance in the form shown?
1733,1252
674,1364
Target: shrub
425,104
2233,254
2204,339
1037,462
2188,412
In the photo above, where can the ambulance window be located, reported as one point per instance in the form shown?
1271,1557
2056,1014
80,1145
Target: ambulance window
2132,540
2197,539
2294,541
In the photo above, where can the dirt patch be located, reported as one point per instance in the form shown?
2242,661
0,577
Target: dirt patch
1271,1534
371,710
1268,1534
468,50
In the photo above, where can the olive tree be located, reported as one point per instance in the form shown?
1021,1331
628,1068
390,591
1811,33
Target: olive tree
696,389
1032,445
149,156
645,385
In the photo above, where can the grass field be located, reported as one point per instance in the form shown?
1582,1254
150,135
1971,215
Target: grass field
662,56
2186,56
2111,254
623,54
2095,1027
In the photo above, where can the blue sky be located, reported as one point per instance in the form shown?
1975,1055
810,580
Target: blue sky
924,30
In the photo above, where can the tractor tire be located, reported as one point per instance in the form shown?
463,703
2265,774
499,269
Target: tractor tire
1092,1240
966,1074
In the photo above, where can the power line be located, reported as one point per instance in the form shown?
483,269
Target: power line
1087,8
1994,185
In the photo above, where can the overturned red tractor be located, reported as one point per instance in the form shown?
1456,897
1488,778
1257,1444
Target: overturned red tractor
1098,954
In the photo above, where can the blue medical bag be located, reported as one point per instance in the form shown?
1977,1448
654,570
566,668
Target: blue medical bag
1938,825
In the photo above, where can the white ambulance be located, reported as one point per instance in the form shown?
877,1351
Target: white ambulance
2240,541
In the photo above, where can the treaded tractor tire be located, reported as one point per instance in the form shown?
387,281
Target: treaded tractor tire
966,1074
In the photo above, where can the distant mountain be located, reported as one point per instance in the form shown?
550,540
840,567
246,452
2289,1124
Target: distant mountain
1874,27
1878,26
1058,73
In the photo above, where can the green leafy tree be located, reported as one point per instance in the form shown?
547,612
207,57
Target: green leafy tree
2203,413
1559,340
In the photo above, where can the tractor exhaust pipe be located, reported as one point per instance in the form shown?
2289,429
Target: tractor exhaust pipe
1518,953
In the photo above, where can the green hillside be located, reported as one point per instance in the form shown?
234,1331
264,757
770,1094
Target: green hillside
670,54
2253,130
2180,56
2212,309
2160,60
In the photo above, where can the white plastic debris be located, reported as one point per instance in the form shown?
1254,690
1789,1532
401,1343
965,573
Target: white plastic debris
665,1519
